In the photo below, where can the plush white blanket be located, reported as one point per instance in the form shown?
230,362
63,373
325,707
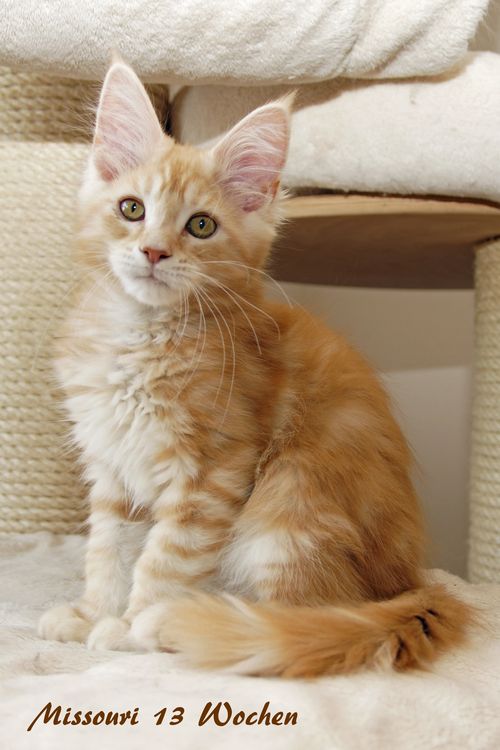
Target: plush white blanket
423,136
456,706
240,41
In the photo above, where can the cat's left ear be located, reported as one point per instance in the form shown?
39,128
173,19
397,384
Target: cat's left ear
251,156
127,129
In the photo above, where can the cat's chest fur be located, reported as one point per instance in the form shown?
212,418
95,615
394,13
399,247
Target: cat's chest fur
120,420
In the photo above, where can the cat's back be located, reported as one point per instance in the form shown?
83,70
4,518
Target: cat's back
338,394
323,358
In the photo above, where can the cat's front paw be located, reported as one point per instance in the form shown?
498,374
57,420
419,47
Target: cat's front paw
111,634
64,623
149,630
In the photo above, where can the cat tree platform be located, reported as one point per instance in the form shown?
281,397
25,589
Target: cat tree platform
375,241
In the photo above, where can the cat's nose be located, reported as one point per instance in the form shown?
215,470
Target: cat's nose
154,255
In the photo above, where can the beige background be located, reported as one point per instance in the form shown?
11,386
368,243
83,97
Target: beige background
421,341
488,33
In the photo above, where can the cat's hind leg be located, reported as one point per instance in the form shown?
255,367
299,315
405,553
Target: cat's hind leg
293,543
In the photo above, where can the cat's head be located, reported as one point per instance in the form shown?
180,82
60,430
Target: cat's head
163,217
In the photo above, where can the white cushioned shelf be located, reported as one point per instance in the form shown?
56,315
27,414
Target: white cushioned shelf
428,136
244,41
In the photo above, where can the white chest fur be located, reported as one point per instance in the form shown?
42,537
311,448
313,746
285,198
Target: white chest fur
118,423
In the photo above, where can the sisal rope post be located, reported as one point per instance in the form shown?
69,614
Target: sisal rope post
44,142
42,152
484,530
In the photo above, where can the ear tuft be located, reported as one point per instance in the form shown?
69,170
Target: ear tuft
127,129
251,156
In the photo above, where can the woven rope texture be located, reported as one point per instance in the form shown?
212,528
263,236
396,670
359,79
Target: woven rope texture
42,152
484,551
44,135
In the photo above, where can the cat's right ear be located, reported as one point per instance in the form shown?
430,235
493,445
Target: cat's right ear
127,130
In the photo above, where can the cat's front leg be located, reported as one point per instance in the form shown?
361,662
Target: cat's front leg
112,544
181,554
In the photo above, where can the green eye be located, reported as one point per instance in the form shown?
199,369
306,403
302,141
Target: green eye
132,209
201,226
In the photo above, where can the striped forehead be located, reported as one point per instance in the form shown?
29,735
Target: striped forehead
175,185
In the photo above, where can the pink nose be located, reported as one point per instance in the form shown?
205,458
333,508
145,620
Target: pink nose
155,255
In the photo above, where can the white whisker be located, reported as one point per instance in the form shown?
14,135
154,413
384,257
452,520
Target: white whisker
204,296
231,293
257,270
233,367
196,356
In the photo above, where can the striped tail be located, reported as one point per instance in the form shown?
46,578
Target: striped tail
409,631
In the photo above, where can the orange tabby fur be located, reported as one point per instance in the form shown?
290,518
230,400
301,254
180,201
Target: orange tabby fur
256,447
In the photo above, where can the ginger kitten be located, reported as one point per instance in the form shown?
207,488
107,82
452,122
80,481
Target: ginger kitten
250,497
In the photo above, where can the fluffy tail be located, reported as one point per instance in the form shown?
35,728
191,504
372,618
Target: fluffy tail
408,631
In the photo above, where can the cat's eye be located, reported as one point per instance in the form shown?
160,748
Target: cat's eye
201,226
132,209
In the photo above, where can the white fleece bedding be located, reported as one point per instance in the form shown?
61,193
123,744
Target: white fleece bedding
456,706
424,136
240,41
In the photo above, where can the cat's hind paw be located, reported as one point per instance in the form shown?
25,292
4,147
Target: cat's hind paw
149,630
64,623
111,634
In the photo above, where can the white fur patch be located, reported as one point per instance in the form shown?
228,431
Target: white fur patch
252,558
114,415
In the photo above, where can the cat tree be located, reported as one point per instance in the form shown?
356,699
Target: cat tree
379,241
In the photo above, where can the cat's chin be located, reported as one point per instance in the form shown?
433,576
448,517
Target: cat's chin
149,291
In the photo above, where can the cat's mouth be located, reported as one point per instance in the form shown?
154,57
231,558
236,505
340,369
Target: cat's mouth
153,279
